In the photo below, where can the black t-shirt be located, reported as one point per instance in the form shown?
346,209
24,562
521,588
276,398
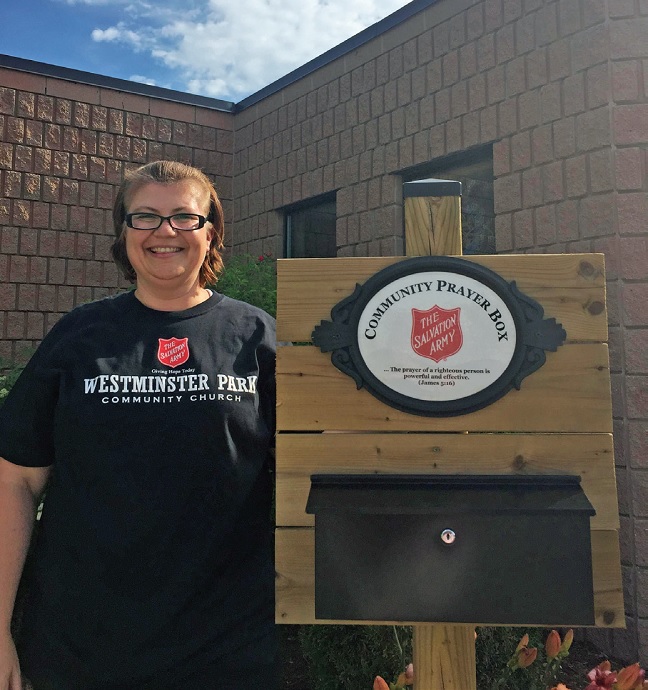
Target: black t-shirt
153,557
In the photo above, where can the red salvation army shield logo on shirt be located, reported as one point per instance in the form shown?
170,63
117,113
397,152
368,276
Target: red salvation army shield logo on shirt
436,332
172,352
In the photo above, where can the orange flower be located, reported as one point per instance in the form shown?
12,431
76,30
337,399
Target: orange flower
567,641
526,656
630,678
380,684
560,686
406,677
552,644
524,642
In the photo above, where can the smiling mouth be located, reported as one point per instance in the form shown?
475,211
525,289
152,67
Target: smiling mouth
165,250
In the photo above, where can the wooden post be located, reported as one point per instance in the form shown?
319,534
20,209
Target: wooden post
444,655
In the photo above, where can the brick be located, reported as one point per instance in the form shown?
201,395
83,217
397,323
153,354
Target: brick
61,163
525,34
573,94
628,38
99,118
496,85
597,215
501,157
486,52
593,129
636,350
45,108
474,24
532,187
34,133
520,151
626,80
493,16
515,77
53,136
21,213
12,184
550,103
79,170
69,192
8,296
638,449
15,130
81,115
58,217
632,257
545,224
628,168
31,186
598,85
508,193
42,161
6,156
523,235
87,194
488,123
637,408
505,44
594,12
26,297
18,269
600,167
115,121
559,60
632,211
630,124
564,137
590,47
26,105
503,232
24,158
15,325
40,215
542,145
568,17
567,223
552,182
634,300
63,111
5,212
10,238
536,67
7,101
546,25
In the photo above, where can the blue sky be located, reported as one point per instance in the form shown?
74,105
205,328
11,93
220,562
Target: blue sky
220,48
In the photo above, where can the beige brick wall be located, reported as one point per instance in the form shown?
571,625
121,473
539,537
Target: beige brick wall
64,147
558,88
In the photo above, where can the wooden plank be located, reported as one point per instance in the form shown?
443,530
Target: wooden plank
444,657
571,392
570,287
295,600
433,225
300,455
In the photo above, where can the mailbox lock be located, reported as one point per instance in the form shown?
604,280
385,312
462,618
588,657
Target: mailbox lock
448,536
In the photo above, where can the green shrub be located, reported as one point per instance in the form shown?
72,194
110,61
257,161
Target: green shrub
349,657
495,646
253,280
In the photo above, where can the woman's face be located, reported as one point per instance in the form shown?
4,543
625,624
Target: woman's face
166,258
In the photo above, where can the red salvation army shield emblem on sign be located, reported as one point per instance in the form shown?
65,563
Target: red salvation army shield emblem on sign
173,352
436,332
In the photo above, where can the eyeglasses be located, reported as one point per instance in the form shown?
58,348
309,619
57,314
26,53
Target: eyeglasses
152,221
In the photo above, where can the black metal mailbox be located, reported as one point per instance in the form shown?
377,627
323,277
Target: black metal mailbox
452,548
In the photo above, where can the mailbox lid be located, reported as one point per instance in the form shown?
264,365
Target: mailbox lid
439,494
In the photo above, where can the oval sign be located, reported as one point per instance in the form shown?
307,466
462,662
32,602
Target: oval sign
437,336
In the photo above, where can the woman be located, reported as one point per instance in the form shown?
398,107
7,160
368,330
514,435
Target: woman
148,417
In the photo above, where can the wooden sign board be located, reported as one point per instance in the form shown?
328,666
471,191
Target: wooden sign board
560,420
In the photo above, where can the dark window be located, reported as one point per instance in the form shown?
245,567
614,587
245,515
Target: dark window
310,229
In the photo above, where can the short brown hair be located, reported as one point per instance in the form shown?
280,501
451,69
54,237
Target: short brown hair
168,172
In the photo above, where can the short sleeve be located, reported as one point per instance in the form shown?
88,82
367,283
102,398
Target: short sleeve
27,416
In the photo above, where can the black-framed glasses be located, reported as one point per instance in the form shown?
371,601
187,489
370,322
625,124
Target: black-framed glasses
178,221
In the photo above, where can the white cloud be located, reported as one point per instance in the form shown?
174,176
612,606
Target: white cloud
142,80
228,50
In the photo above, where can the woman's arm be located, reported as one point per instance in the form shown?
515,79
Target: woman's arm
20,491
